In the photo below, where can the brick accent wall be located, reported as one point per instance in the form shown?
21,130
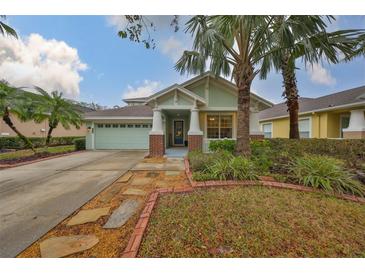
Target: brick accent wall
157,146
257,137
195,142
354,134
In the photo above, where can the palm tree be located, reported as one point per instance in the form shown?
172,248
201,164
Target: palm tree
233,46
15,101
6,29
57,110
303,37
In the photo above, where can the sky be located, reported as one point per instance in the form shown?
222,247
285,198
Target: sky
83,57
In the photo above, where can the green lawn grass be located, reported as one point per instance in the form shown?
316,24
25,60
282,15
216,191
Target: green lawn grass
254,222
27,152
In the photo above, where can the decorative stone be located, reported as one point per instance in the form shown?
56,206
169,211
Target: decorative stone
122,214
114,190
152,175
125,178
172,173
134,191
88,215
58,247
141,181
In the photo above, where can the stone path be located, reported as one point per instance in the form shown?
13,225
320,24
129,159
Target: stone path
134,191
172,173
88,215
58,247
170,164
125,178
122,214
141,181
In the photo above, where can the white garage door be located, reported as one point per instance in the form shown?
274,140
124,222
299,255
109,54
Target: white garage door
122,136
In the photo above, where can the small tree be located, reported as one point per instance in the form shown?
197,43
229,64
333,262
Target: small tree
233,46
303,37
56,110
6,29
16,101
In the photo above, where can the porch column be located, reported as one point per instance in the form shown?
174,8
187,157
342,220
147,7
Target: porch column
157,138
356,128
195,135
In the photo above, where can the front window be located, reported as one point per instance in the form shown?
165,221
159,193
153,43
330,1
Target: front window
267,130
304,128
219,126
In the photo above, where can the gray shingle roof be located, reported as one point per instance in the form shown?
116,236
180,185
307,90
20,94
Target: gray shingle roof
351,96
127,111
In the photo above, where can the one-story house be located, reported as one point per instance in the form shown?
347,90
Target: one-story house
190,115
337,115
33,129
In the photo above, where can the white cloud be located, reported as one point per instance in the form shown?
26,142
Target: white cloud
146,89
172,47
319,75
50,64
159,21
117,21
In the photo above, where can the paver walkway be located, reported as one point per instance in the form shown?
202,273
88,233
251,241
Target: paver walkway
122,214
34,198
125,197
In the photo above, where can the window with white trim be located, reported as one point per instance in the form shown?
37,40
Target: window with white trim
219,126
304,128
267,130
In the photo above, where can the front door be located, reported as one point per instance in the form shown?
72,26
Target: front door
179,133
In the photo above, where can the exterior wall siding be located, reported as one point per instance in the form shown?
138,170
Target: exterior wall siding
32,129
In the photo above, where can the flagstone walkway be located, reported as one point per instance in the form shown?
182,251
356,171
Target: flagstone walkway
102,227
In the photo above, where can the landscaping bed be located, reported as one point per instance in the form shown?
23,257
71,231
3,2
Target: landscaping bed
254,221
334,167
111,241
27,155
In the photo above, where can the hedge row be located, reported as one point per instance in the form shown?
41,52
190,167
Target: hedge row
350,150
17,143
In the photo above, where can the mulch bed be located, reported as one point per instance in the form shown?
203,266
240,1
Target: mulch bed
112,242
33,157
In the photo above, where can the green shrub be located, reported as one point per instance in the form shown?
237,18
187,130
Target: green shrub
80,144
262,155
225,145
17,143
201,176
229,167
243,169
325,173
199,160
352,151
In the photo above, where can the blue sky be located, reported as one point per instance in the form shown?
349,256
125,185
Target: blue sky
83,56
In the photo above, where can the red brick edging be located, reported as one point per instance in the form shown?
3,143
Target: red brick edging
5,166
134,243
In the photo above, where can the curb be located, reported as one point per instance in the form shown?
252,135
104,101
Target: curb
6,166
135,241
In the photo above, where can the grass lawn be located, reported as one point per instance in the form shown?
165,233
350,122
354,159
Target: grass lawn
254,222
28,153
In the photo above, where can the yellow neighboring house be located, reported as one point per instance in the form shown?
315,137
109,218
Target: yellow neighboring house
338,115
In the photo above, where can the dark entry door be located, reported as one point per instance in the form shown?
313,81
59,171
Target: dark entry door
179,133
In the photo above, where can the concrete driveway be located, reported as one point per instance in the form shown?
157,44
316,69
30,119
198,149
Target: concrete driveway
36,197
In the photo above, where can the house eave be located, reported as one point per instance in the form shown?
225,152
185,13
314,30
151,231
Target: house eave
315,110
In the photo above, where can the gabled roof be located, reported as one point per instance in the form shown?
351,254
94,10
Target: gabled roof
346,98
172,88
139,111
196,79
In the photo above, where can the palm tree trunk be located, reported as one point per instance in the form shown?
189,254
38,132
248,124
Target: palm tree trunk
243,113
7,120
49,135
291,95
